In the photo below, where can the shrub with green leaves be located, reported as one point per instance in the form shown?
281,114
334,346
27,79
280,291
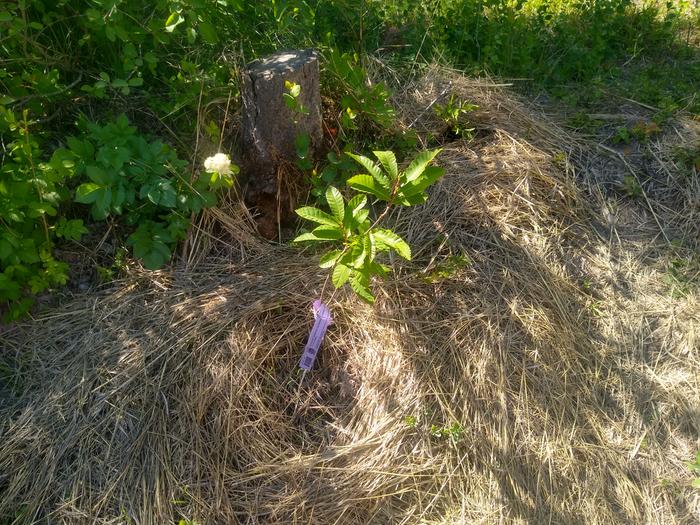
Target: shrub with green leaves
143,180
362,104
360,240
31,192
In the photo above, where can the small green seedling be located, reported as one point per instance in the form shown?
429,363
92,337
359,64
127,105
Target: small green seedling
694,467
454,432
621,136
447,268
451,113
632,187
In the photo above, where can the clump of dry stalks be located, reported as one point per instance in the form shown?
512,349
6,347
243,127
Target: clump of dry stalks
566,373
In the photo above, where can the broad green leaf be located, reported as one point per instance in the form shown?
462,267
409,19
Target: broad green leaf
301,144
208,32
100,208
360,284
328,233
173,21
388,160
373,170
315,215
367,184
370,247
357,254
327,259
307,237
418,165
355,212
87,193
84,149
37,209
97,174
388,239
379,269
150,242
429,176
356,203
341,273
413,200
361,216
335,202
6,248
156,257
322,233
9,289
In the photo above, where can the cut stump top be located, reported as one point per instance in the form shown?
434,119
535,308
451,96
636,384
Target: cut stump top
280,63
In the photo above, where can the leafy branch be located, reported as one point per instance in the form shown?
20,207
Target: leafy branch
359,239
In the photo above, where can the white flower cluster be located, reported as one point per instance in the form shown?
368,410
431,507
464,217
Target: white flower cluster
219,163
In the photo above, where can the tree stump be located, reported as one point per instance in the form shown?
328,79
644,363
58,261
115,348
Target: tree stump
270,129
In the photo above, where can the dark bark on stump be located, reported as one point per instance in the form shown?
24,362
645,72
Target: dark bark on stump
269,131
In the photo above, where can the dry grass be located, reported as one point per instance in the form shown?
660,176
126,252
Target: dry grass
565,368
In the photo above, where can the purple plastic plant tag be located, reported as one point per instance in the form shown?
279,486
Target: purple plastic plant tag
322,315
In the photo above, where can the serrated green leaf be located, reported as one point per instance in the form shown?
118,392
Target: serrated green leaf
379,269
355,213
367,184
357,254
327,259
307,237
360,285
370,247
418,164
388,160
335,203
413,200
356,203
388,239
430,175
340,275
328,233
315,215
361,216
373,170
